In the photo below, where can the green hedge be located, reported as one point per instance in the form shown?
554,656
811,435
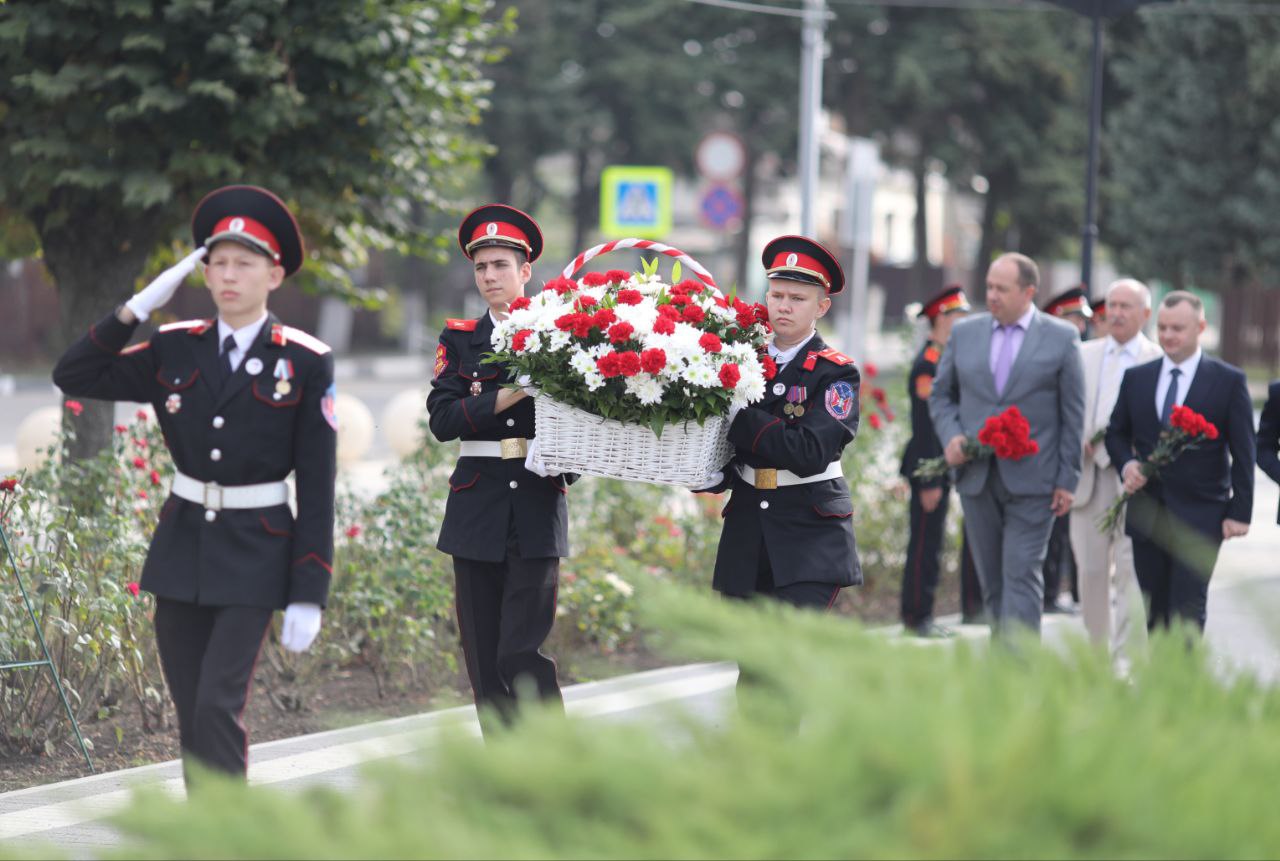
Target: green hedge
847,744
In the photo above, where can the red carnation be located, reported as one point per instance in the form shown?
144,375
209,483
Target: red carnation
74,407
520,303
770,367
607,365
688,285
721,302
729,375
663,326
746,317
653,361
670,312
630,297
155,476
595,279
762,314
9,485
680,299
585,302
710,342
629,363
139,463
604,318
616,276
133,589
520,340
621,333
694,314
559,285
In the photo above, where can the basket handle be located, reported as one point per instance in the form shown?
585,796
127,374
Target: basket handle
649,245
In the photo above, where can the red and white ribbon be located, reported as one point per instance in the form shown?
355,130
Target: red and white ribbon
648,245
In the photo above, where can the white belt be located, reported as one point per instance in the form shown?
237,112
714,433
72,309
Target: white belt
770,479
514,448
215,497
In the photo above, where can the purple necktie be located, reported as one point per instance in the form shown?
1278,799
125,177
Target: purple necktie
1004,359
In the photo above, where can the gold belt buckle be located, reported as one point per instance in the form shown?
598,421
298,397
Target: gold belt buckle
766,479
514,447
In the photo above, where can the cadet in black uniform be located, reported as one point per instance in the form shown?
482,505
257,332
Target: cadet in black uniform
243,401
788,531
505,526
1059,561
930,498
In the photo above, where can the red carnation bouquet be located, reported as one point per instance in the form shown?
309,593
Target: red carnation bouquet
1006,436
1187,428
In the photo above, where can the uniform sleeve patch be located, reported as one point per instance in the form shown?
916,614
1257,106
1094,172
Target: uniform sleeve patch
329,405
924,386
931,354
840,400
442,361
136,348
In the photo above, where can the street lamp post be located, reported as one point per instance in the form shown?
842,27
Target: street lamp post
811,39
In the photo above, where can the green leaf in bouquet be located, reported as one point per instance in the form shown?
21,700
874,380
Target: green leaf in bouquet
676,271
649,266
657,422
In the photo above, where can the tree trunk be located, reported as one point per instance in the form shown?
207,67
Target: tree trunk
95,260
742,251
920,224
986,245
583,208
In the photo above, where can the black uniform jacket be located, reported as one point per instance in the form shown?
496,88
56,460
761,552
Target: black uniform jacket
259,557
489,496
805,529
924,442
1268,444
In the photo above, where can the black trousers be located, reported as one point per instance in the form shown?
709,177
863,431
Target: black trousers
208,655
505,613
1060,563
806,594
921,573
1174,564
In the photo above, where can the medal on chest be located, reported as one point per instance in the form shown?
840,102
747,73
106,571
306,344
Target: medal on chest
283,373
796,396
475,387
173,403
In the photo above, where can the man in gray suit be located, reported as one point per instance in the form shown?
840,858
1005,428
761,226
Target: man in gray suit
1012,356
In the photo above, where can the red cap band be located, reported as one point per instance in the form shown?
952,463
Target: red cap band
245,228
796,262
498,231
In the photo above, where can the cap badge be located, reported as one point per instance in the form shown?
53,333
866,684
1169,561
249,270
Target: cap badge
792,259
236,225
491,229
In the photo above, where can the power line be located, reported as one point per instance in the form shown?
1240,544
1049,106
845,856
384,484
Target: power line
763,8
1240,8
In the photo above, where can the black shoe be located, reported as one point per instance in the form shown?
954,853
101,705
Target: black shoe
929,630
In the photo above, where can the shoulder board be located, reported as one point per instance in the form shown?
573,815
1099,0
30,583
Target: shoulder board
833,355
461,325
932,354
191,327
311,342
136,348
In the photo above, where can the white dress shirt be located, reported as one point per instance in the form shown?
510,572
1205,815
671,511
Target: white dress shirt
1116,359
781,357
244,336
1188,369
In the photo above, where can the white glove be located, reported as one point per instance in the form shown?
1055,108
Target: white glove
733,413
716,478
161,290
525,382
533,461
301,624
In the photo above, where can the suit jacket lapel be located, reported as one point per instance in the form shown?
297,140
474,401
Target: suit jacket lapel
258,350
1201,385
983,355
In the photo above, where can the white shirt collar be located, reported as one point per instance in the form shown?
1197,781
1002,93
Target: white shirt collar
1129,347
244,335
1188,366
784,356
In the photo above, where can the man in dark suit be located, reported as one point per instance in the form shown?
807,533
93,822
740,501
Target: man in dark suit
1179,520
505,526
243,402
1269,435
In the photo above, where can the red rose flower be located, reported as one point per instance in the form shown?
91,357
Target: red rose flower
520,303
630,297
139,442
710,342
870,369
694,314
155,476
874,421
520,340
121,428
878,394
653,361
353,531
770,367
594,279
9,485
729,375
140,415
617,276
142,494
139,463
133,589
74,407
621,333
664,326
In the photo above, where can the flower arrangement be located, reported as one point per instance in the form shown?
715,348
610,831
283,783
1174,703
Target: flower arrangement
1187,428
1007,436
633,348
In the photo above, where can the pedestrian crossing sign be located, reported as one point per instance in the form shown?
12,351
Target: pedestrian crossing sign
635,201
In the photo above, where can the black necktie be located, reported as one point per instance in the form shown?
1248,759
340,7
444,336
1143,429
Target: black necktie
1170,397
228,344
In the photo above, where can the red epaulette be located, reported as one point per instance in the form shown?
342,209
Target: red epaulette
833,355
461,325
191,327
932,354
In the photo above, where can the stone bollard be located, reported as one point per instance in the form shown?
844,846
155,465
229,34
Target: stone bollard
355,428
401,422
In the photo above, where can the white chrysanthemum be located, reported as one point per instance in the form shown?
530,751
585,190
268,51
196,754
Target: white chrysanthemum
594,380
645,388
582,362
557,339
641,316
700,374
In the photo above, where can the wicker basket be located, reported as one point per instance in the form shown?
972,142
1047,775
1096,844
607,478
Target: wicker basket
573,440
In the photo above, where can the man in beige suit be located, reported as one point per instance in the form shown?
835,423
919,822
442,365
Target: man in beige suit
1108,585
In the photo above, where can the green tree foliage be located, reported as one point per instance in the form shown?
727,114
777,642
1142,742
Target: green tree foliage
116,116
1195,150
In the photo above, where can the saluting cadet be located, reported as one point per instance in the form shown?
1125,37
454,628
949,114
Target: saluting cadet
1073,306
930,497
505,526
788,531
243,401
